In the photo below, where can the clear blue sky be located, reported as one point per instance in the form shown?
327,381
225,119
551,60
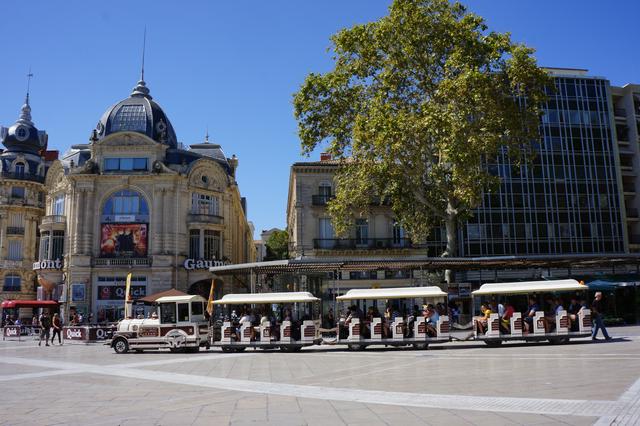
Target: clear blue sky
233,66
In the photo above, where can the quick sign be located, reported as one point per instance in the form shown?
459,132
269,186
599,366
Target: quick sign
191,264
48,264
116,292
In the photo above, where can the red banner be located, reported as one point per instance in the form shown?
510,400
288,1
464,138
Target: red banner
124,240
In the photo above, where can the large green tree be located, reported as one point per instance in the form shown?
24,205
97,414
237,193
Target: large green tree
417,105
277,245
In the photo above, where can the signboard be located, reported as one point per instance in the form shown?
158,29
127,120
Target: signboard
124,240
75,333
78,292
48,264
116,292
464,289
11,331
191,264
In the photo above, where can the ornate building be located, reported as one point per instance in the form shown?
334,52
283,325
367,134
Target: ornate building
133,200
22,167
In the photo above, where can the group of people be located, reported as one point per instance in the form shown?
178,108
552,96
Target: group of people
258,317
47,325
554,306
431,314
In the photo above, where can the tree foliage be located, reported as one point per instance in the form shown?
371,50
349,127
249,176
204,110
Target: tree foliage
417,105
278,245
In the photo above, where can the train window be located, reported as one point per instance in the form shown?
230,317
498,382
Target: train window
183,312
196,308
168,312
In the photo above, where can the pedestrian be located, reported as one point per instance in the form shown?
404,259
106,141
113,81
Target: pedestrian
57,329
597,314
45,323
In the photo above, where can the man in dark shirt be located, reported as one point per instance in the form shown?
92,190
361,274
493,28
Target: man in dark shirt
597,313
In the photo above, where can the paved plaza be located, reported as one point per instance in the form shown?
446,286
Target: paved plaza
457,383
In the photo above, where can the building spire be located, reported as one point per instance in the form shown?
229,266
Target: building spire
25,111
206,136
141,88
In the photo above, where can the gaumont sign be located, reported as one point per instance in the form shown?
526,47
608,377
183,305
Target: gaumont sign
191,264
48,264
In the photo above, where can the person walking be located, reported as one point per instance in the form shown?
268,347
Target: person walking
45,323
597,314
57,329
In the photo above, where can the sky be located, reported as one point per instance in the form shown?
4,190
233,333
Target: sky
233,67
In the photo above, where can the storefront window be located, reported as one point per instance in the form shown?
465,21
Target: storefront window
110,296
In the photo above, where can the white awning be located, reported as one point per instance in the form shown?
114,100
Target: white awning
393,293
187,298
530,287
263,298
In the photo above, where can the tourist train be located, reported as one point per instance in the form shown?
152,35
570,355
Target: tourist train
400,316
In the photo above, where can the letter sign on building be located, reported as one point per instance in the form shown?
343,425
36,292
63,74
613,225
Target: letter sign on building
191,264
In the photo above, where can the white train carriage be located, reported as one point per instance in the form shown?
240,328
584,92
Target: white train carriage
288,321
557,325
412,328
180,326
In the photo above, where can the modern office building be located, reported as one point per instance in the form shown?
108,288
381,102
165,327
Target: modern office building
569,201
133,200
23,165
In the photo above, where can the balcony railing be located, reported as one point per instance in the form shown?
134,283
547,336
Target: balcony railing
363,243
122,261
321,200
22,176
206,218
15,230
54,218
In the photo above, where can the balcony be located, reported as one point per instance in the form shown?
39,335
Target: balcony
205,218
362,244
122,261
54,218
22,176
15,230
321,200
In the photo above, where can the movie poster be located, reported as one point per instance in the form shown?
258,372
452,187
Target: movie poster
124,240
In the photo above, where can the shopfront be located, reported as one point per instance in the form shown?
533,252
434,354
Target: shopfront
110,296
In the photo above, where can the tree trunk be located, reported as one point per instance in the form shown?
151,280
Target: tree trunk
451,225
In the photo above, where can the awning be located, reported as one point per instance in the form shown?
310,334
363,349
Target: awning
266,298
183,298
530,287
10,304
393,293
150,299
311,265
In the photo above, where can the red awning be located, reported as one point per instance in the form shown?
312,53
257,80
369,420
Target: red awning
9,304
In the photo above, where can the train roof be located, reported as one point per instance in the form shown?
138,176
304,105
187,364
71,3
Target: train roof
393,293
530,287
185,298
260,298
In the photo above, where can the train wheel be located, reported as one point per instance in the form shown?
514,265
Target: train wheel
420,346
227,349
356,347
121,346
558,340
493,343
192,349
240,349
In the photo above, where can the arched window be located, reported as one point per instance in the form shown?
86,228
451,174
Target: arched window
126,203
20,169
11,282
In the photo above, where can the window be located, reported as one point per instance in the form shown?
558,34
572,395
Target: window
475,231
194,244
205,204
57,245
45,237
15,250
196,308
125,164
11,283
167,313
183,312
398,234
211,244
130,117
362,231
17,192
20,168
325,233
125,203
58,205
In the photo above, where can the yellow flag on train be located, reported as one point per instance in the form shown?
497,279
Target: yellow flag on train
210,301
127,295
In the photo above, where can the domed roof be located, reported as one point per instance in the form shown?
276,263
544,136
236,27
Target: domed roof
23,136
138,113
